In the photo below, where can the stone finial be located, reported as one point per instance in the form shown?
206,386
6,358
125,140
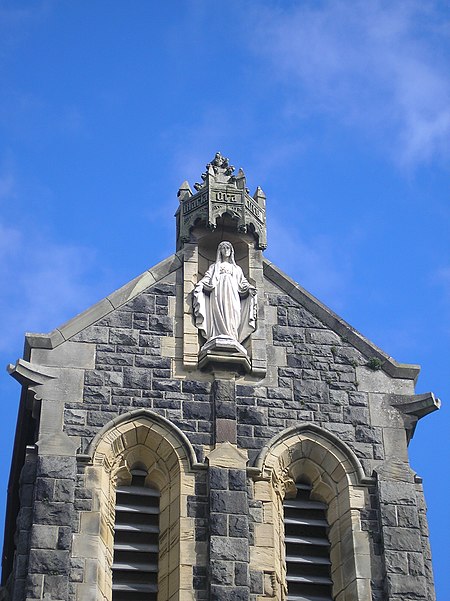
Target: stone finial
221,193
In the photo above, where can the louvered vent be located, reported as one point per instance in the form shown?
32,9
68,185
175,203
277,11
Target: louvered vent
136,533
307,548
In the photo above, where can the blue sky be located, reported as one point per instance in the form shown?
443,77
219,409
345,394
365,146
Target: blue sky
339,110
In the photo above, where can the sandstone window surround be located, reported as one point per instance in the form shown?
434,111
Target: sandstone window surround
307,452
138,438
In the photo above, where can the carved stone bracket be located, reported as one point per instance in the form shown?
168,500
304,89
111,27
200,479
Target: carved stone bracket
48,405
31,375
413,407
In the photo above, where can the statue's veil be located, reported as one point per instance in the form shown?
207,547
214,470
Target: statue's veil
219,248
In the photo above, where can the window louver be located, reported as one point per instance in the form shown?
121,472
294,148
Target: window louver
308,563
136,533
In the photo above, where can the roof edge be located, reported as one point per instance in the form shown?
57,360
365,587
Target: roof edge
334,322
113,301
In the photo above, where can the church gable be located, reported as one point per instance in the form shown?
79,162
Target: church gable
222,390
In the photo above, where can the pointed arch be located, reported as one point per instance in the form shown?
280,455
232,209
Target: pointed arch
143,441
308,452
319,438
142,419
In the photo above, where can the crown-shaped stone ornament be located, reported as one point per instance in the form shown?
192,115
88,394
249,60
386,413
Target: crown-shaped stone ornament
221,194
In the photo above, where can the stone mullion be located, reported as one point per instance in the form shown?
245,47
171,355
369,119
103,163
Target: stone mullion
223,393
229,543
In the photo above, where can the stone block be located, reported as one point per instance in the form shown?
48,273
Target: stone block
408,516
223,391
253,415
229,549
401,585
225,409
44,561
143,303
231,502
57,467
223,593
238,526
222,572
401,539
43,537
55,586
64,537
134,377
123,336
75,417
160,324
68,386
388,515
256,582
356,415
59,514
218,478
237,480
218,523
396,493
68,354
226,430
64,490
367,434
196,410
196,387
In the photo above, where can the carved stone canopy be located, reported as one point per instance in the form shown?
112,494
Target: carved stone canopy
221,194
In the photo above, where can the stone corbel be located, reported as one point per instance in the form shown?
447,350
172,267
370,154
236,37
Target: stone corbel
31,375
284,485
414,407
48,405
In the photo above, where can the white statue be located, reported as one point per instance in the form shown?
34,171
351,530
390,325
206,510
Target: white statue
225,303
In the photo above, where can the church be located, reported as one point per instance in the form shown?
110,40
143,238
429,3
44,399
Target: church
212,432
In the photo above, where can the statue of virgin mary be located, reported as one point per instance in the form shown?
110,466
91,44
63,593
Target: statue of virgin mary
225,303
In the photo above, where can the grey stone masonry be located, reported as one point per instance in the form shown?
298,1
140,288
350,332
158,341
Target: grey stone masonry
127,354
404,534
224,401
229,577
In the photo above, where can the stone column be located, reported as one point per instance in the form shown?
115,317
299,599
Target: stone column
228,502
223,394
401,533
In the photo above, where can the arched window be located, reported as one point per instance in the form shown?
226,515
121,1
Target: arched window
136,541
327,512
308,565
140,473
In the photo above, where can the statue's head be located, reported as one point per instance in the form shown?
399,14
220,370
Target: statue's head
225,252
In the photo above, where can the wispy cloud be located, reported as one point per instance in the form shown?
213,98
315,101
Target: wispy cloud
380,66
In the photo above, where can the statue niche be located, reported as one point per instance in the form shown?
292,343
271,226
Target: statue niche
225,304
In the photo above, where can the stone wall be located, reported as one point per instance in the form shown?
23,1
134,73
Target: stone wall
314,376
